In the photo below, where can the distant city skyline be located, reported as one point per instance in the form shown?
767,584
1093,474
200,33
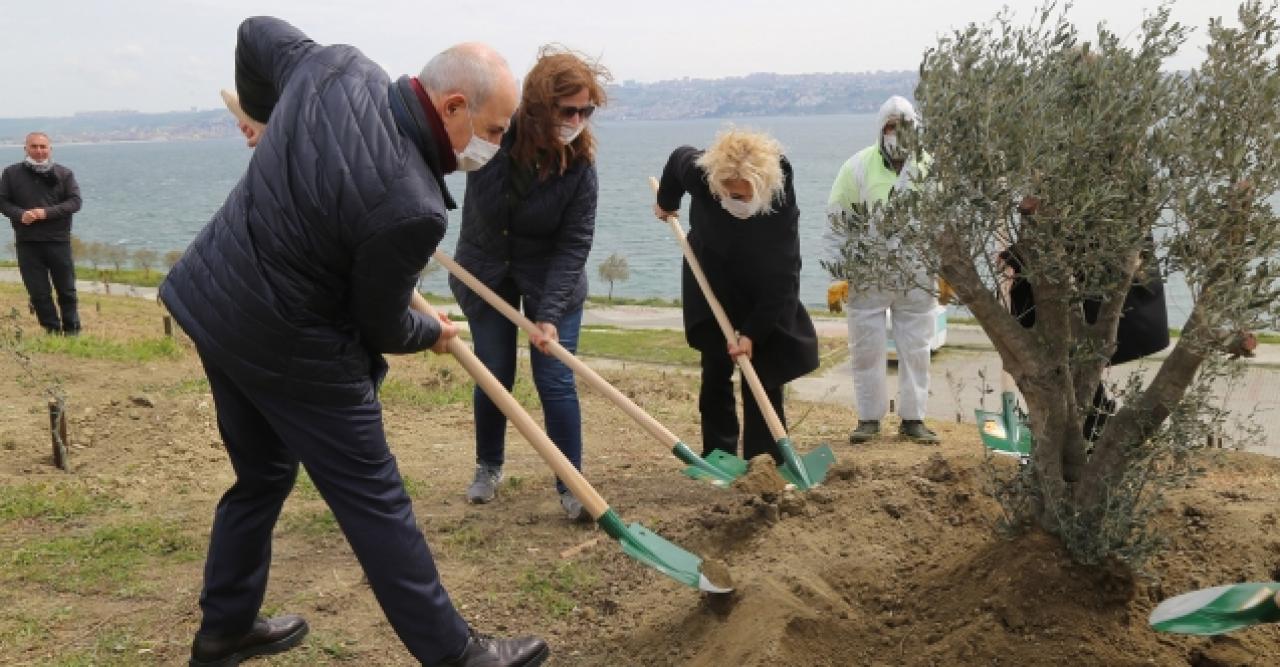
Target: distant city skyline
170,55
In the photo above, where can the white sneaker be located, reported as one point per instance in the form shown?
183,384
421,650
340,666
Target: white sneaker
573,509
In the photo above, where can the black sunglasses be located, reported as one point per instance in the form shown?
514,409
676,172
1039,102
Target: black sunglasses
567,113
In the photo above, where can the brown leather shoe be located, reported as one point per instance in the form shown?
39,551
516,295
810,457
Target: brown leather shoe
486,651
267,636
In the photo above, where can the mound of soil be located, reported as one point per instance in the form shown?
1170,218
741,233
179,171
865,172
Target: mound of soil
894,561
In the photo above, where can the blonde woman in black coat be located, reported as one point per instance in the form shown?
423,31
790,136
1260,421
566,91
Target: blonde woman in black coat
744,231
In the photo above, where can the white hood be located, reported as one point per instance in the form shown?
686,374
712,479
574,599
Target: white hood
894,107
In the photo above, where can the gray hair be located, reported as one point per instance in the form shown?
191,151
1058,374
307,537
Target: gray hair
36,134
471,69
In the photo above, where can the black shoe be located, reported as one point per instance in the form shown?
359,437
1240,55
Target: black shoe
267,636
917,431
867,430
486,651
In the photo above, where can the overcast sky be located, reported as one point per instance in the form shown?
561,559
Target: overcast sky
57,58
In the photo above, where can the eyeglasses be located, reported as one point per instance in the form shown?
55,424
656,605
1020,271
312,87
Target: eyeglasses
567,113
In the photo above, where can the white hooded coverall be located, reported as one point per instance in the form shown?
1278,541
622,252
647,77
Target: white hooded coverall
865,179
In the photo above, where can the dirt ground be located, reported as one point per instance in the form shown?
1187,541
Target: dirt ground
893,561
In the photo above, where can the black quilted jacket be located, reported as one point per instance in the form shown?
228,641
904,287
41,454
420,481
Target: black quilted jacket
536,233
303,277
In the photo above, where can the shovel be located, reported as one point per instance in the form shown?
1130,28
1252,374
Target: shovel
721,471
1218,610
1005,432
805,471
637,541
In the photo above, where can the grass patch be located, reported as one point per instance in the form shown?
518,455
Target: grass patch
23,630
199,385
112,649
659,346
555,591
92,347
304,488
465,539
319,647
657,301
416,488
445,383
107,560
666,346
50,502
311,524
124,276
423,393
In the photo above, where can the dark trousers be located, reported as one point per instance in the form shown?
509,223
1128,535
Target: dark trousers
720,415
1096,418
494,337
345,452
41,263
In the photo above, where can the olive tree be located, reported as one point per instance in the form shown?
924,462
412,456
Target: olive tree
145,258
115,255
171,258
1136,171
614,269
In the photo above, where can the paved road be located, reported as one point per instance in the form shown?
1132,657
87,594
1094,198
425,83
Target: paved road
958,369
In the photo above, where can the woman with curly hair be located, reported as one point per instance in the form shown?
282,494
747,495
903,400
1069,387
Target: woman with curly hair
744,231
527,225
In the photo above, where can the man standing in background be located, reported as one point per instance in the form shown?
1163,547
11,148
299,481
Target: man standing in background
870,178
39,198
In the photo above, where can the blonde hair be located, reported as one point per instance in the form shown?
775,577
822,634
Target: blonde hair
752,156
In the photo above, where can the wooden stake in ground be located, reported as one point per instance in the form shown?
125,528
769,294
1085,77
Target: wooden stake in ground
168,326
58,433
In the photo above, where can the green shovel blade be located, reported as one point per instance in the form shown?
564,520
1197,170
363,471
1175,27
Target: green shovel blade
1005,432
651,549
720,468
1218,610
805,471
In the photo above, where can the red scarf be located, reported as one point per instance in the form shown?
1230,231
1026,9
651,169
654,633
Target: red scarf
448,161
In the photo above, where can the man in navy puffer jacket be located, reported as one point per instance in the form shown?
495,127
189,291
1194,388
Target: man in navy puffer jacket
294,290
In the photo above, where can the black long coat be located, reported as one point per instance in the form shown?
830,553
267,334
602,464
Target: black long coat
753,267
1144,318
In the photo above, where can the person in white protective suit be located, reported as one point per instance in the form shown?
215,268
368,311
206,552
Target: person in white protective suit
871,176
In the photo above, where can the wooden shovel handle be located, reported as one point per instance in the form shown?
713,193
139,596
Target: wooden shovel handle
579,368
578,485
233,105
730,336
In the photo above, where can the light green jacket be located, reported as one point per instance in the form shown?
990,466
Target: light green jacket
864,179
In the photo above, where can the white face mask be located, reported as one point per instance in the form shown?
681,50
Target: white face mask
568,133
40,166
477,152
892,148
738,208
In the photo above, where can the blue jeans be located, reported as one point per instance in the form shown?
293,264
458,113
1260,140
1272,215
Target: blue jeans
494,338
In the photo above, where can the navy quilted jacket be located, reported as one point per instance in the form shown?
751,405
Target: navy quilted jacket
303,277
537,234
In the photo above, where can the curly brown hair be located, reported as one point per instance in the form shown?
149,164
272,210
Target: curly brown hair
558,73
